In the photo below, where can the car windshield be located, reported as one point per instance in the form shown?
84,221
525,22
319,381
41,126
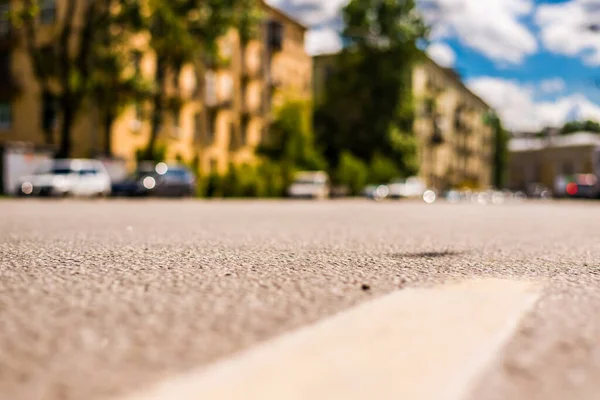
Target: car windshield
308,181
178,174
54,171
61,171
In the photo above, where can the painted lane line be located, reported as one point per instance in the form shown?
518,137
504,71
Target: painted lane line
417,344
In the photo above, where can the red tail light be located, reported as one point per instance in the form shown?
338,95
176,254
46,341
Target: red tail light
572,189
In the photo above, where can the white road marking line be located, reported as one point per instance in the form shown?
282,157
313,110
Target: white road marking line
414,344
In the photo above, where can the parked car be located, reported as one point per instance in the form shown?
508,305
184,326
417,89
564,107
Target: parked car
162,180
577,186
313,185
407,188
67,177
376,192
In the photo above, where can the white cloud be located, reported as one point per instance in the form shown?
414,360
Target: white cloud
554,85
323,41
564,29
519,111
322,16
491,27
310,12
442,54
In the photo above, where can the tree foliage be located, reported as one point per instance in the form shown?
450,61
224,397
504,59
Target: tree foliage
187,32
291,138
351,172
580,126
500,160
85,54
117,80
66,56
367,108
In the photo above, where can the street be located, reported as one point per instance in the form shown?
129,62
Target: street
100,299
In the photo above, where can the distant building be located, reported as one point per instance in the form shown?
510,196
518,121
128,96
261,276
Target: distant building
226,108
455,145
543,160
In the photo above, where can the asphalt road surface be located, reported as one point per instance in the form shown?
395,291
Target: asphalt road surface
101,299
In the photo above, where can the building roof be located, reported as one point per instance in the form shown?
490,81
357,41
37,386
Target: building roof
284,15
578,139
452,75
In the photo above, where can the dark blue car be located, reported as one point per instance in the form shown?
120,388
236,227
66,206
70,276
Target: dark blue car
162,180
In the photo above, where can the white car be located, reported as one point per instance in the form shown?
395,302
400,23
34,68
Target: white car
409,188
314,185
67,177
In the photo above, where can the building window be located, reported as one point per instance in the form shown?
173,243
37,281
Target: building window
211,126
275,36
4,22
245,123
176,130
49,112
48,11
139,111
568,168
328,72
136,60
5,115
233,136
198,121
214,166
5,69
210,85
227,86
49,60
264,134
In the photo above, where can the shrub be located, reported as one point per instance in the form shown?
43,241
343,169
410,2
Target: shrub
351,172
214,185
382,170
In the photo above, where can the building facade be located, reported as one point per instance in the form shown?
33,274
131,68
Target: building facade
455,146
536,160
224,112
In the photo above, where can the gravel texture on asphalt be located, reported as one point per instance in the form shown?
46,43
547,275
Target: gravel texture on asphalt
98,298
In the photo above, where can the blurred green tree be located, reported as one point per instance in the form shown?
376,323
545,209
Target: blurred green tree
368,105
351,172
290,142
67,69
382,170
186,32
114,86
500,156
580,126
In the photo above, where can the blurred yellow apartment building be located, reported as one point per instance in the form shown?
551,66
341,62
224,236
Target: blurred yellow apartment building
455,146
220,121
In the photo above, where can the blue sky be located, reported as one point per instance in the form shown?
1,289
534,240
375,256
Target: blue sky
536,68
535,61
